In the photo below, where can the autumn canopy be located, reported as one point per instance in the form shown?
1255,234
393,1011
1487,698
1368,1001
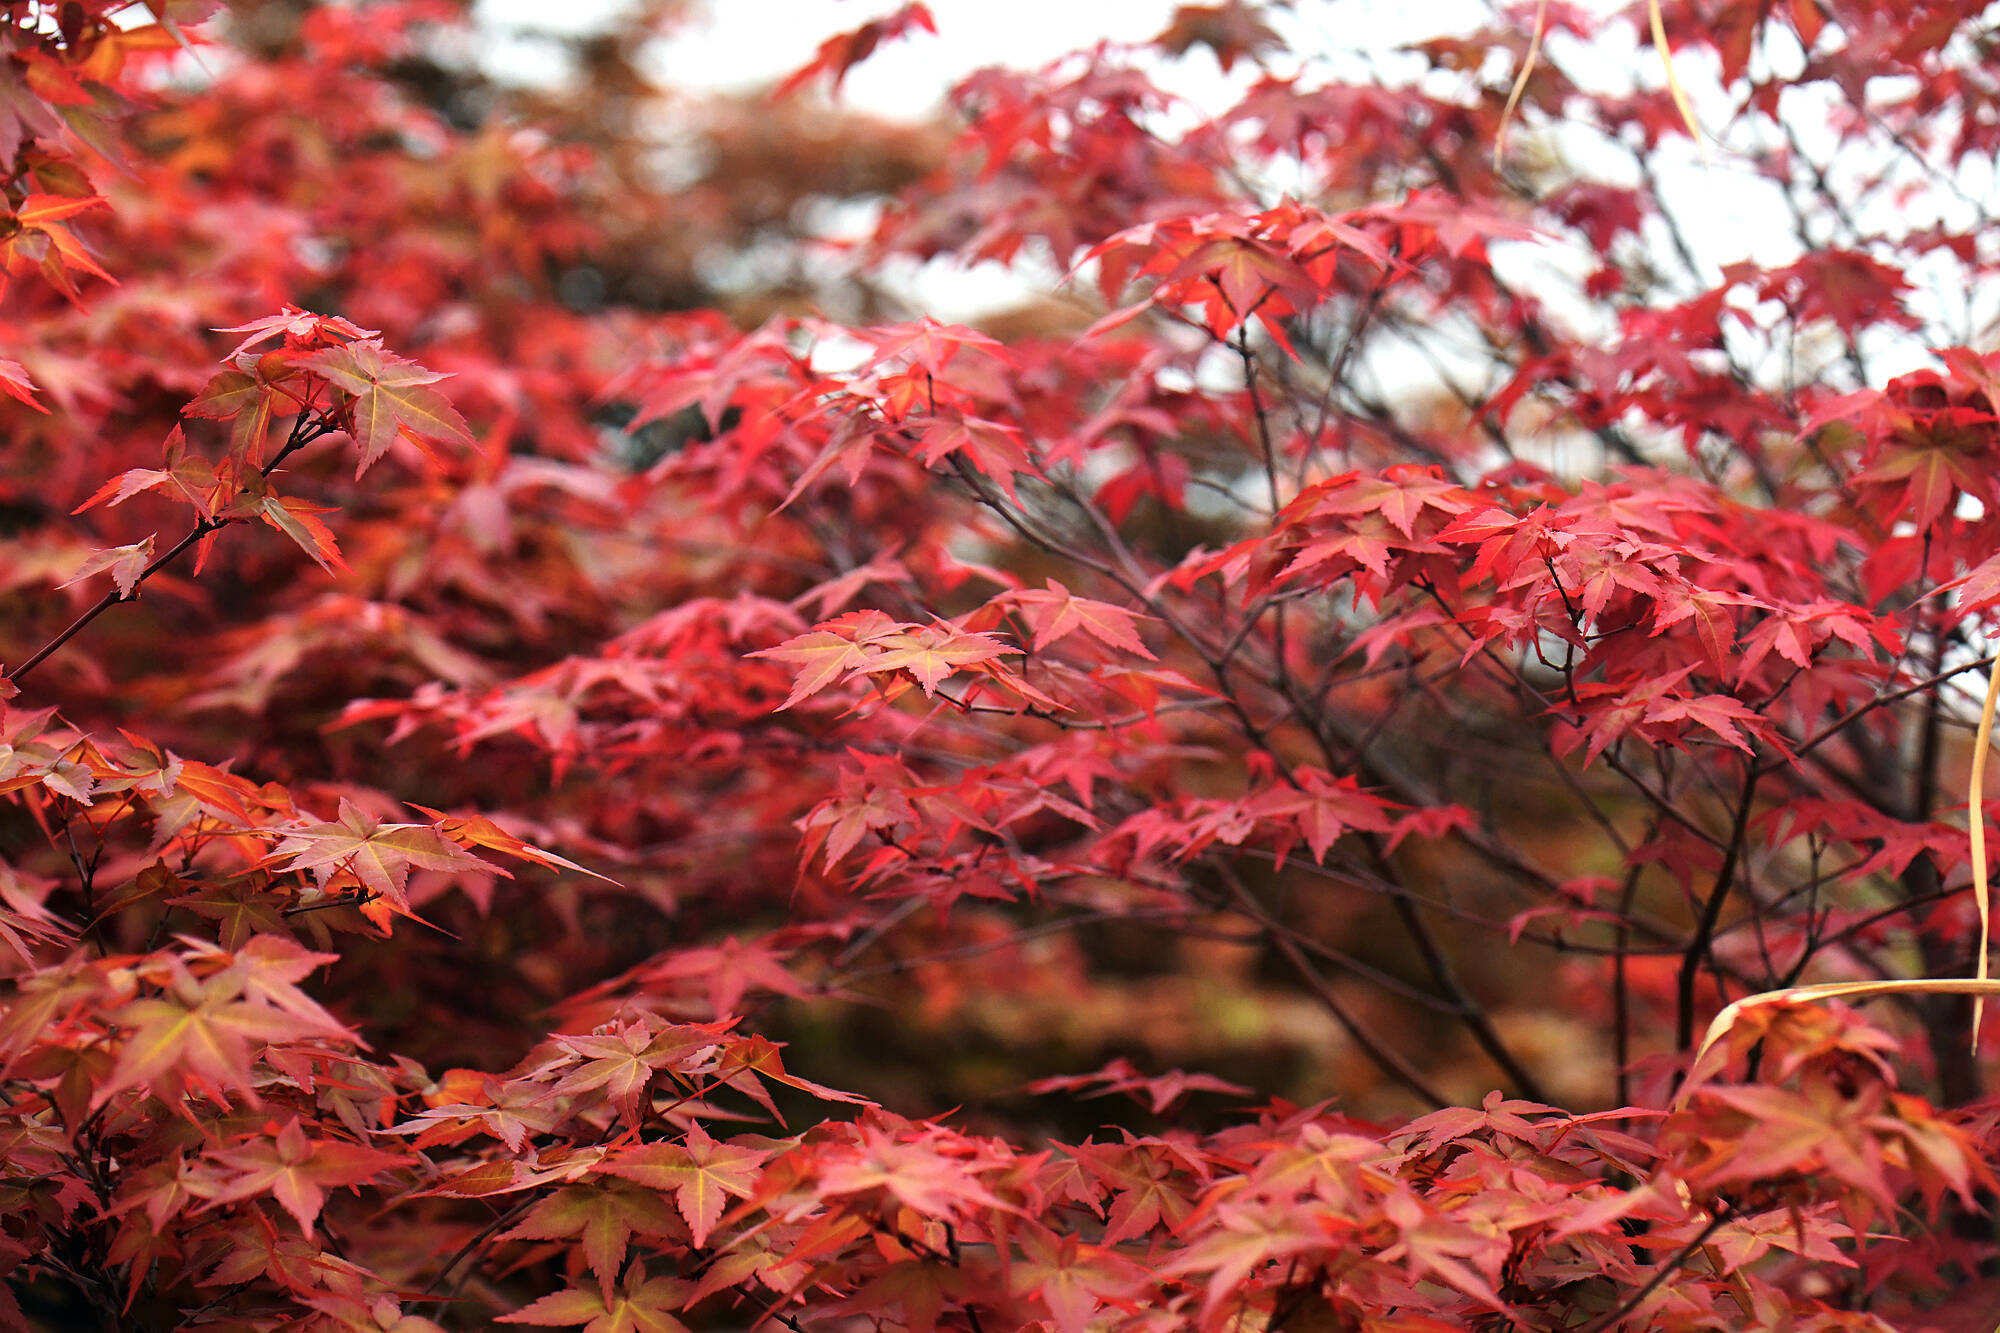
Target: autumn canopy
578,752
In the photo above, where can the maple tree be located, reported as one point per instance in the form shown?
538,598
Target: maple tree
1388,752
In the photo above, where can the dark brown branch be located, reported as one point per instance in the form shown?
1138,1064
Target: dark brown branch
1386,1058
1701,944
1662,1273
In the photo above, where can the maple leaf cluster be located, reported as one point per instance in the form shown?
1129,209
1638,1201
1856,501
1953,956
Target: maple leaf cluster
547,782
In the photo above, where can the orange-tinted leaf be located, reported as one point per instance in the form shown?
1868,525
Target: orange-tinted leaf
931,654
703,1175
601,1219
379,855
824,658
14,382
1055,612
126,564
638,1306
299,521
390,397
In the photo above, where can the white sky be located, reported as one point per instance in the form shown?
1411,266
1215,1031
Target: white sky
739,45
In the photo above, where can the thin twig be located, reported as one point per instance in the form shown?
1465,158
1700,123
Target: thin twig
1661,1274
304,431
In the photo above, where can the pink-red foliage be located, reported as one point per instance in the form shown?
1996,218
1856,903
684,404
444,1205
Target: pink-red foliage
478,723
